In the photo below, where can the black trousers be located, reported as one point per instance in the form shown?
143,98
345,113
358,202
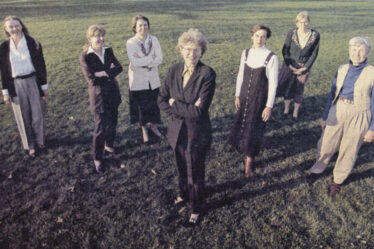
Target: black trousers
104,131
191,168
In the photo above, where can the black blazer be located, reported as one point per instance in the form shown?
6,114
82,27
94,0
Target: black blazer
293,54
183,111
37,59
104,90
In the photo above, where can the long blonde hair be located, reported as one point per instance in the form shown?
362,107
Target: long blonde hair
10,18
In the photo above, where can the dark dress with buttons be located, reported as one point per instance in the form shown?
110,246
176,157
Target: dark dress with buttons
248,130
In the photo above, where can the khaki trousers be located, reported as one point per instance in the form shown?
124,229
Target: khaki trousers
28,108
346,126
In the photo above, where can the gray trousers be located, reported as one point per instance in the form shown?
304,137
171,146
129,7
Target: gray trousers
28,108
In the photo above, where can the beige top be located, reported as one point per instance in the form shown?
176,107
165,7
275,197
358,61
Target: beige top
186,74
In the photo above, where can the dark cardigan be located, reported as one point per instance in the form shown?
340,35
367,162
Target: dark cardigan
293,54
37,59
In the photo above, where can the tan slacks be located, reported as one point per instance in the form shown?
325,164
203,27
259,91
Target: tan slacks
28,109
346,126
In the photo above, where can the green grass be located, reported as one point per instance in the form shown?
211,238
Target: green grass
57,201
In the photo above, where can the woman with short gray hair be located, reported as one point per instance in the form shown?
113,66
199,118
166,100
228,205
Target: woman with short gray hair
186,98
347,121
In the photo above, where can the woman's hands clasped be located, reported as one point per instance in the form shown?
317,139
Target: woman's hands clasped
297,71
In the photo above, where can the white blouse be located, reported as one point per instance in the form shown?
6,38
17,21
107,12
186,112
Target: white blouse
256,58
143,68
20,59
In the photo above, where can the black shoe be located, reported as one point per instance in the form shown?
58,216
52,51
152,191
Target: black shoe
32,154
295,119
312,178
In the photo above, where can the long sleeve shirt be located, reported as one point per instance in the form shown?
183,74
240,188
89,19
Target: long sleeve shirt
143,62
256,58
348,90
20,61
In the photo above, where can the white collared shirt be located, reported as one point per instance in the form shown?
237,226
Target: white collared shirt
20,59
143,69
101,57
256,58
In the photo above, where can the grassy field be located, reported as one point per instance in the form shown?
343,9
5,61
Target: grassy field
58,201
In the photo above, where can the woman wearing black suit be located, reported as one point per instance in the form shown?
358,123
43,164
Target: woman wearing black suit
185,98
24,80
100,67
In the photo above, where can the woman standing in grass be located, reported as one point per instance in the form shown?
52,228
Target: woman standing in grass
24,79
256,86
299,51
100,67
186,98
144,52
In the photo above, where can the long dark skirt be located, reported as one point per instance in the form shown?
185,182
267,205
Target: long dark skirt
143,107
247,133
289,87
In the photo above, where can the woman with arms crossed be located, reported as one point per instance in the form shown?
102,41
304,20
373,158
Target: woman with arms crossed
144,52
24,78
185,98
256,86
100,67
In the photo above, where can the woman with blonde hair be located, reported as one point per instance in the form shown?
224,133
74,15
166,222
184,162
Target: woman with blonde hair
299,51
100,67
144,53
186,98
24,79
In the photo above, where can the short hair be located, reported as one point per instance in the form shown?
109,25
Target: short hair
302,15
135,20
10,18
193,36
93,30
359,40
258,27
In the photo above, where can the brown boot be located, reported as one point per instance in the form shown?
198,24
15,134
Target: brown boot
334,189
248,167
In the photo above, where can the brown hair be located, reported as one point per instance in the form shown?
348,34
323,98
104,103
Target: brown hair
258,27
10,18
93,30
135,20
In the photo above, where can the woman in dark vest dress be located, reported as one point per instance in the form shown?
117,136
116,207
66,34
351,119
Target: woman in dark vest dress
256,86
